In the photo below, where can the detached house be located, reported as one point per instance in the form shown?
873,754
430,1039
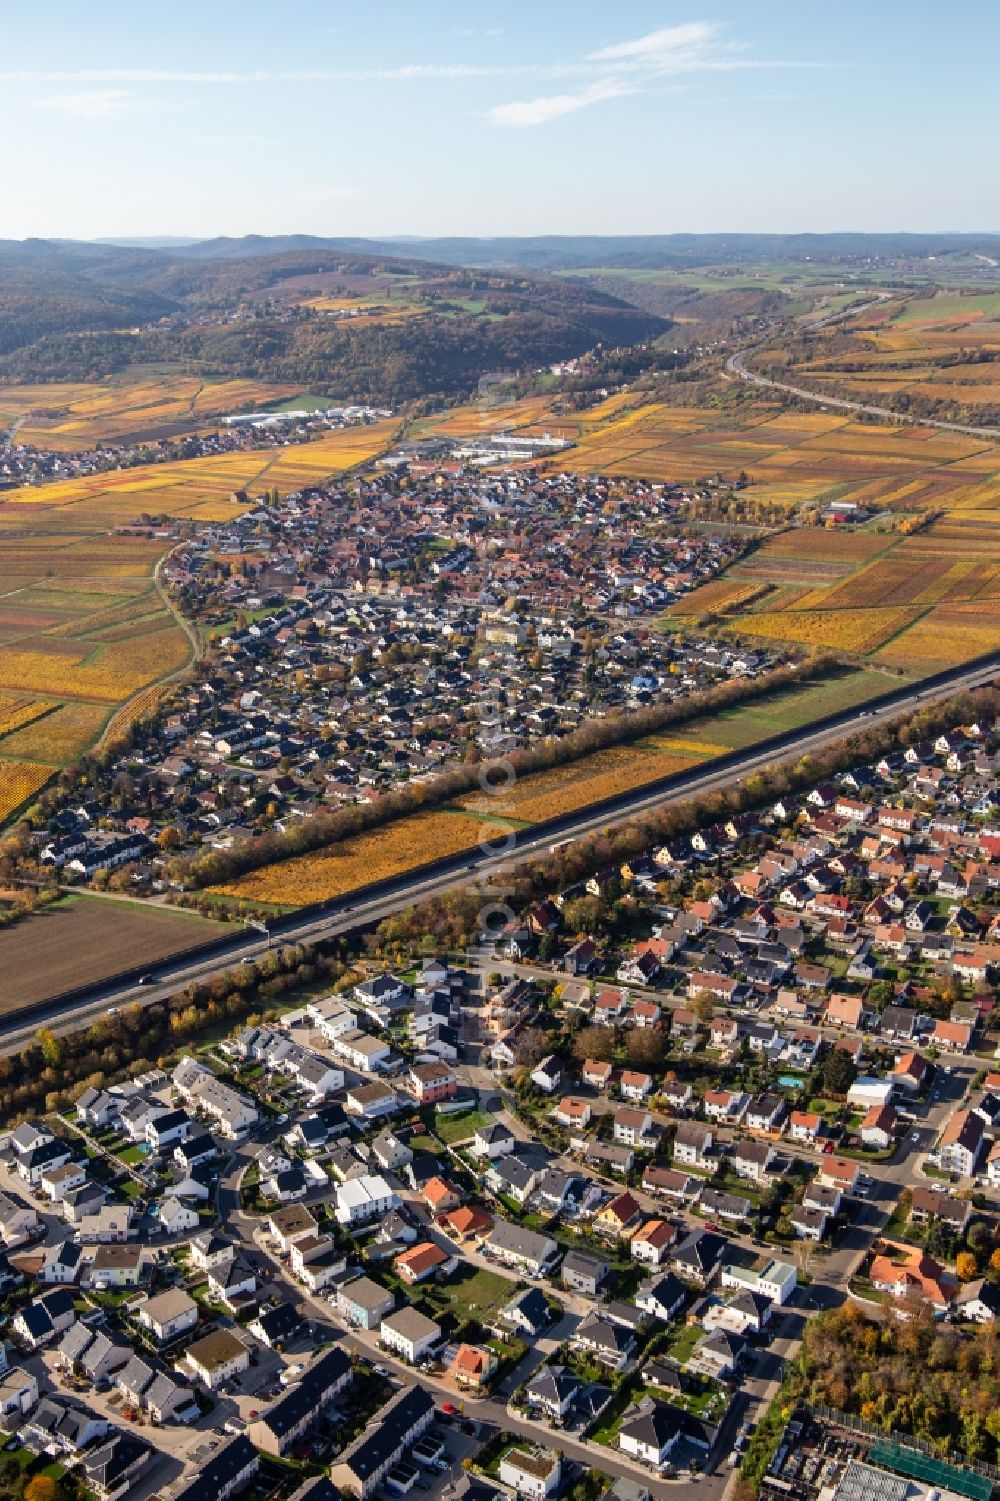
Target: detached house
752,1160
597,1074
619,1216
635,1086
693,1145
634,1128
652,1241
962,1143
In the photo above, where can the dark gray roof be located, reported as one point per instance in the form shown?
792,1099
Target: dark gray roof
700,1249
307,1394
520,1242
280,1322
531,1305
387,1432
584,1265
554,1383
219,1471
656,1423
603,1333
106,1465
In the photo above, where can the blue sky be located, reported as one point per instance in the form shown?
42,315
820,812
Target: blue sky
557,116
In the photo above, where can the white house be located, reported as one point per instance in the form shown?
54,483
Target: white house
18,1395
176,1218
493,1141
692,1144
168,1314
217,1358
652,1429
167,1129
409,1334
775,1279
531,1471
362,1199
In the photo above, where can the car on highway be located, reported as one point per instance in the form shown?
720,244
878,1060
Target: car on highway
145,979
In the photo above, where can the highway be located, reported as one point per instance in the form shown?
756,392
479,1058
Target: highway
849,312
735,366
477,865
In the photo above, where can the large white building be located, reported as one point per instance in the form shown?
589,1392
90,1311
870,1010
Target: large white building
366,1198
775,1279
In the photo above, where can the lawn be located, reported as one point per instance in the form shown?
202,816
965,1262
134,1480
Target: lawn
423,1142
681,1347
472,1293
451,1128
820,1106
131,1155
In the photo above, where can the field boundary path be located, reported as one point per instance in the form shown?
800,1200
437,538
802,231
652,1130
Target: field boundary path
197,651
735,366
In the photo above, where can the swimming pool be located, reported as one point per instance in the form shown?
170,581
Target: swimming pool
791,1081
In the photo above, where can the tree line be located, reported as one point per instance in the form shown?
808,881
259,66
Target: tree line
209,867
449,921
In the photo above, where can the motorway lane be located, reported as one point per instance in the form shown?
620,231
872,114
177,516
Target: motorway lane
735,366
479,864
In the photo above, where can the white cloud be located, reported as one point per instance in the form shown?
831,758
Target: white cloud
671,49
525,112
220,77
100,104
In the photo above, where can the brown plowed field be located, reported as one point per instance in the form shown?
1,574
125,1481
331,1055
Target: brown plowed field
85,938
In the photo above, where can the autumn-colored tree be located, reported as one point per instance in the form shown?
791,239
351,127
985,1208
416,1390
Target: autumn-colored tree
703,1006
594,1042
532,1046
965,1265
645,1047
995,1261
43,1488
51,1046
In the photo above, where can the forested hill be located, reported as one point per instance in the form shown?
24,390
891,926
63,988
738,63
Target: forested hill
560,252
70,311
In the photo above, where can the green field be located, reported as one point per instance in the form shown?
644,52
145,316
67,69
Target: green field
304,403
775,712
949,305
